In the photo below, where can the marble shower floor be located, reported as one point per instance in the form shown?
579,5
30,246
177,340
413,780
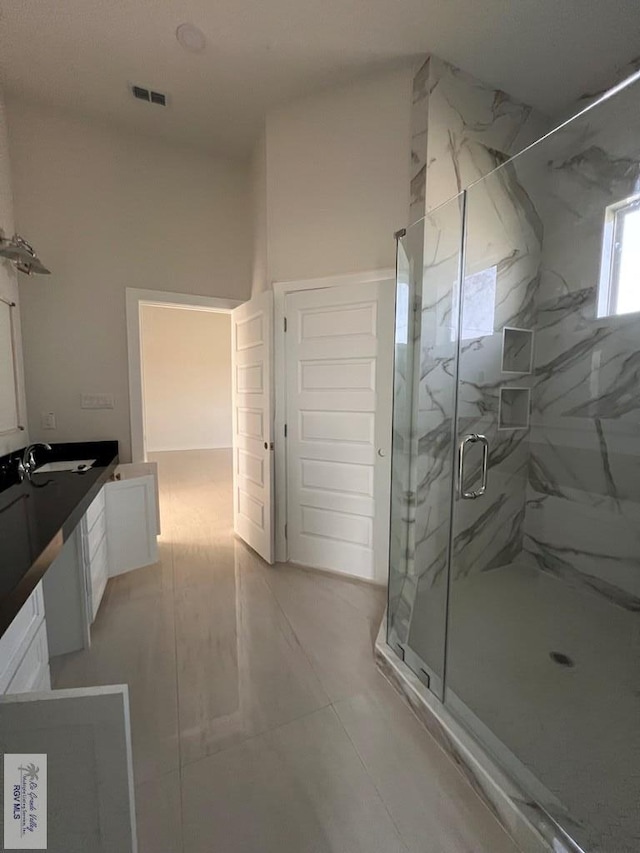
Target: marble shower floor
259,720
577,727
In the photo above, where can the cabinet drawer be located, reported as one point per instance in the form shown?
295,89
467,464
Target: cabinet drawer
33,670
95,510
19,634
94,537
99,574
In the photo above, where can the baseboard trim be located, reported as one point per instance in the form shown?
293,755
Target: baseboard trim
335,573
186,449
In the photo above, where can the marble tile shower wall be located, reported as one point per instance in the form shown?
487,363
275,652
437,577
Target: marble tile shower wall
503,252
461,130
563,493
471,129
583,503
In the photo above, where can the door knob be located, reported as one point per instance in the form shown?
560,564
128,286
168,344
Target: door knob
381,452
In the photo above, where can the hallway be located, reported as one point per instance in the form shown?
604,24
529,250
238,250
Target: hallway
260,723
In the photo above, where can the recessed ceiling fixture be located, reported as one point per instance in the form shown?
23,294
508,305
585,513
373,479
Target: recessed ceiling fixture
191,38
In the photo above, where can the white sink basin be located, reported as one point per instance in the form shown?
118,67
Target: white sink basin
75,465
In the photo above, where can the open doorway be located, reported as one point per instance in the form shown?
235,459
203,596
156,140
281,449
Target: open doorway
186,401
179,371
186,369
180,400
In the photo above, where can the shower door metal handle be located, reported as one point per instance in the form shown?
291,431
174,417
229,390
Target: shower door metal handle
472,438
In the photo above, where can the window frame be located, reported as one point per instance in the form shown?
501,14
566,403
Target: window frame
609,284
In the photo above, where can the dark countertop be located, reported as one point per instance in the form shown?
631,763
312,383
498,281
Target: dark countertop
38,516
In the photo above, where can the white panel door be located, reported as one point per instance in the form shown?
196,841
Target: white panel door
74,748
339,363
251,358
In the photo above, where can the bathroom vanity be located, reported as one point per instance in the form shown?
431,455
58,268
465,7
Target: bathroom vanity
77,519
63,532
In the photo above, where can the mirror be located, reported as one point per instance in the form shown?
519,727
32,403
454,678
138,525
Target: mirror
9,396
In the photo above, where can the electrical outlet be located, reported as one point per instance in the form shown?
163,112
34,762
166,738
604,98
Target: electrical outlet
96,401
48,420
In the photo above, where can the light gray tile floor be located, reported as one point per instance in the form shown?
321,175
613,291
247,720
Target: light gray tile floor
259,720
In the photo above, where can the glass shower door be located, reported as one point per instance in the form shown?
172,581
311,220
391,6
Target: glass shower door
502,248
429,265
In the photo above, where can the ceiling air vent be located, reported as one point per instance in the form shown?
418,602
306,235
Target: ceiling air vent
149,96
142,94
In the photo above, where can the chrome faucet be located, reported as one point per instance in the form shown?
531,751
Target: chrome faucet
27,464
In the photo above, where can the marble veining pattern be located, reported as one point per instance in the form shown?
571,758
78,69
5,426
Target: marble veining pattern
583,499
466,129
563,498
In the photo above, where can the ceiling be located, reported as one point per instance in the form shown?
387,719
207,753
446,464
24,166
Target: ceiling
80,55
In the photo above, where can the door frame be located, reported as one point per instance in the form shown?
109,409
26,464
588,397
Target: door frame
136,297
280,291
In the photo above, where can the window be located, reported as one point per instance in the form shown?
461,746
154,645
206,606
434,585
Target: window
619,291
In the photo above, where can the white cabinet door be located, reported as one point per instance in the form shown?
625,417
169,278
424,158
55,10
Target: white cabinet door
131,514
130,470
251,354
339,366
17,639
32,672
73,750
65,599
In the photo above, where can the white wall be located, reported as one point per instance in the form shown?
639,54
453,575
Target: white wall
9,290
108,211
260,277
186,363
337,178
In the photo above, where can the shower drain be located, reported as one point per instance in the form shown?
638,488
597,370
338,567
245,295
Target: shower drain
561,658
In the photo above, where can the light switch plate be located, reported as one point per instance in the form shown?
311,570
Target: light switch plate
48,420
96,401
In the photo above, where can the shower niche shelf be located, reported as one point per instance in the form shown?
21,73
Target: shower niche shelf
517,350
514,408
